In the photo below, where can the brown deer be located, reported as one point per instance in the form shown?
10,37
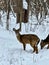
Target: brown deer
31,39
45,42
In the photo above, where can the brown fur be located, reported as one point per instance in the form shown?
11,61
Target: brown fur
31,39
45,42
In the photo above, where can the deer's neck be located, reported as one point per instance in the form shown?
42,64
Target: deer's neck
18,36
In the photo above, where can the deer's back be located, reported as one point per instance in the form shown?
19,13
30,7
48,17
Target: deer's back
29,38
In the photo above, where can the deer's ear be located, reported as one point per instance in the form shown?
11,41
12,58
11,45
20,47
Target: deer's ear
18,29
13,29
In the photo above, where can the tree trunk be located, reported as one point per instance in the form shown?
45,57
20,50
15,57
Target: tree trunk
8,11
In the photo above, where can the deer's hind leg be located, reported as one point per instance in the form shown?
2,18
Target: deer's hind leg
35,49
34,45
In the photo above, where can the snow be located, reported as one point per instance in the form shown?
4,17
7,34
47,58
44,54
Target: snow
25,5
11,50
12,53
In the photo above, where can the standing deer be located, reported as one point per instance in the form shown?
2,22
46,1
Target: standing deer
31,39
45,42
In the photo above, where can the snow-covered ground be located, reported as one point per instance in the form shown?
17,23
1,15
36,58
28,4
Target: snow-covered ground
11,50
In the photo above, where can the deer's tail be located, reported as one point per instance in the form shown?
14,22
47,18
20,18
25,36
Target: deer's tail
38,41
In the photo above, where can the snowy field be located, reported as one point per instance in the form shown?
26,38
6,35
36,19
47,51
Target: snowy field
11,50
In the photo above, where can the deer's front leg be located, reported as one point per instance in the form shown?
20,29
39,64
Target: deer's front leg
24,46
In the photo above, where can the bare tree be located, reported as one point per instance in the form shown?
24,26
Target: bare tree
8,11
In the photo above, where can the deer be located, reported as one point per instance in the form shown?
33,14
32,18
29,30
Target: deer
31,39
45,42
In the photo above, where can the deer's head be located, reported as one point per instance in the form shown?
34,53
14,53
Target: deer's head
16,31
42,44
